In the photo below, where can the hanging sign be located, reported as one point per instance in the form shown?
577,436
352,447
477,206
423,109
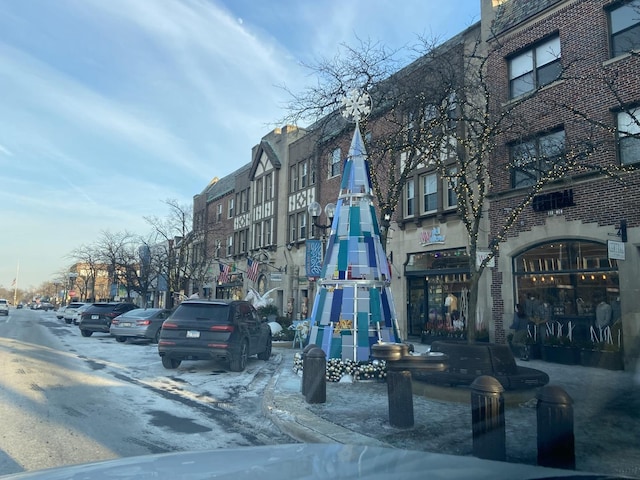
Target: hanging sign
615,249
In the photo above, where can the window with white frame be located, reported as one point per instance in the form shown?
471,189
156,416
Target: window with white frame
410,199
267,232
429,192
624,22
334,162
219,212
268,182
230,245
231,207
629,136
535,67
244,237
303,172
244,201
293,231
535,158
293,178
259,191
302,225
450,185
258,234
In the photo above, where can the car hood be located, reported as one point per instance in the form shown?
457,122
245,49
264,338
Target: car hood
308,461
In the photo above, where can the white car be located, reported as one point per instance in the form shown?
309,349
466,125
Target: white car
4,307
77,313
70,310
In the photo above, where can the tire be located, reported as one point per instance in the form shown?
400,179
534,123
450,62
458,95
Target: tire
156,337
86,333
266,353
238,362
170,363
121,339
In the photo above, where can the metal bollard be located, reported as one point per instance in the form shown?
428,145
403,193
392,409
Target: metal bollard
556,442
400,394
316,384
487,418
305,377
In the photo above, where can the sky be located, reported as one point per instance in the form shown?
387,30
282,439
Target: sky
110,108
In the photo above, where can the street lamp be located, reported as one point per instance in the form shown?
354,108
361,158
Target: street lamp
72,280
315,210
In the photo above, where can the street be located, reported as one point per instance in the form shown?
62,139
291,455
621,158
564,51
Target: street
66,399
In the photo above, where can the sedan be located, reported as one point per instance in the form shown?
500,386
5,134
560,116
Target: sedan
141,323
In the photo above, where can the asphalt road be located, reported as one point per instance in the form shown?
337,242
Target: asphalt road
65,399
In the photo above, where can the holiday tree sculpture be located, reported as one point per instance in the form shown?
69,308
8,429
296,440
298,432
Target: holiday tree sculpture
353,308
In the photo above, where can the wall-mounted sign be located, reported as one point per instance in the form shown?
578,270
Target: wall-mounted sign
615,249
481,255
276,277
431,237
553,201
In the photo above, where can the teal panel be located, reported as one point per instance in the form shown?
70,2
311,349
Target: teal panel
363,329
343,255
374,306
374,221
345,175
354,221
336,348
322,299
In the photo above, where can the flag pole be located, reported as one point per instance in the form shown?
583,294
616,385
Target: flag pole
15,282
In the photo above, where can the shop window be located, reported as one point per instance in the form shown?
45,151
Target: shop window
450,185
563,282
624,24
629,136
534,68
535,158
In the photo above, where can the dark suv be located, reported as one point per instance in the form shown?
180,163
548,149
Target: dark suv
214,329
98,317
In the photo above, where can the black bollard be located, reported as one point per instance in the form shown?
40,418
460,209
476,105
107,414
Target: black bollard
303,385
556,442
487,419
400,394
316,383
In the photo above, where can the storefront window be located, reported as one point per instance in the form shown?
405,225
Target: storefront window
437,290
565,282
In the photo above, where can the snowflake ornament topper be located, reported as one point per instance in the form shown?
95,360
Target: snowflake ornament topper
356,105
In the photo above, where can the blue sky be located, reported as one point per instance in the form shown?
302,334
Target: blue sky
110,107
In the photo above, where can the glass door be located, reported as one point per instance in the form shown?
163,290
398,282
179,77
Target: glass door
416,305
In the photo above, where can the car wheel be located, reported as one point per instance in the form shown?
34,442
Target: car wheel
170,363
238,361
266,353
156,337
121,339
86,333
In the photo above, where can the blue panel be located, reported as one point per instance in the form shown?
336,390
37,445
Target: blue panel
336,305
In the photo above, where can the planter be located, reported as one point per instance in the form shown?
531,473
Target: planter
559,354
601,359
535,351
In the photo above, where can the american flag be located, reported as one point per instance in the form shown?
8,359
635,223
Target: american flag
224,273
252,271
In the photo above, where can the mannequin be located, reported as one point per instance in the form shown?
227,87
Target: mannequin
451,302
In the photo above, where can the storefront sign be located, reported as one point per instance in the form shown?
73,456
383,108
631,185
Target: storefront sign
481,255
276,277
431,237
615,249
553,201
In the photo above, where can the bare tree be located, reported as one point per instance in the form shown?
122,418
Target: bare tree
173,241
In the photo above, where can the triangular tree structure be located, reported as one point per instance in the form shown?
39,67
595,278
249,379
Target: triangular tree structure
353,308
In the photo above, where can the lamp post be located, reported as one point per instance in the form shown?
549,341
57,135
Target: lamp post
315,210
72,280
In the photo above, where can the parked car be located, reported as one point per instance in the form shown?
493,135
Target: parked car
143,323
20,305
60,312
98,317
68,311
4,306
46,306
214,329
75,315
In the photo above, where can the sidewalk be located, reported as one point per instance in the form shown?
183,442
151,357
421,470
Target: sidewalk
606,416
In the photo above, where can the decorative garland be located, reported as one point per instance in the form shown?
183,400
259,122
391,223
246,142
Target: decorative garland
337,369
